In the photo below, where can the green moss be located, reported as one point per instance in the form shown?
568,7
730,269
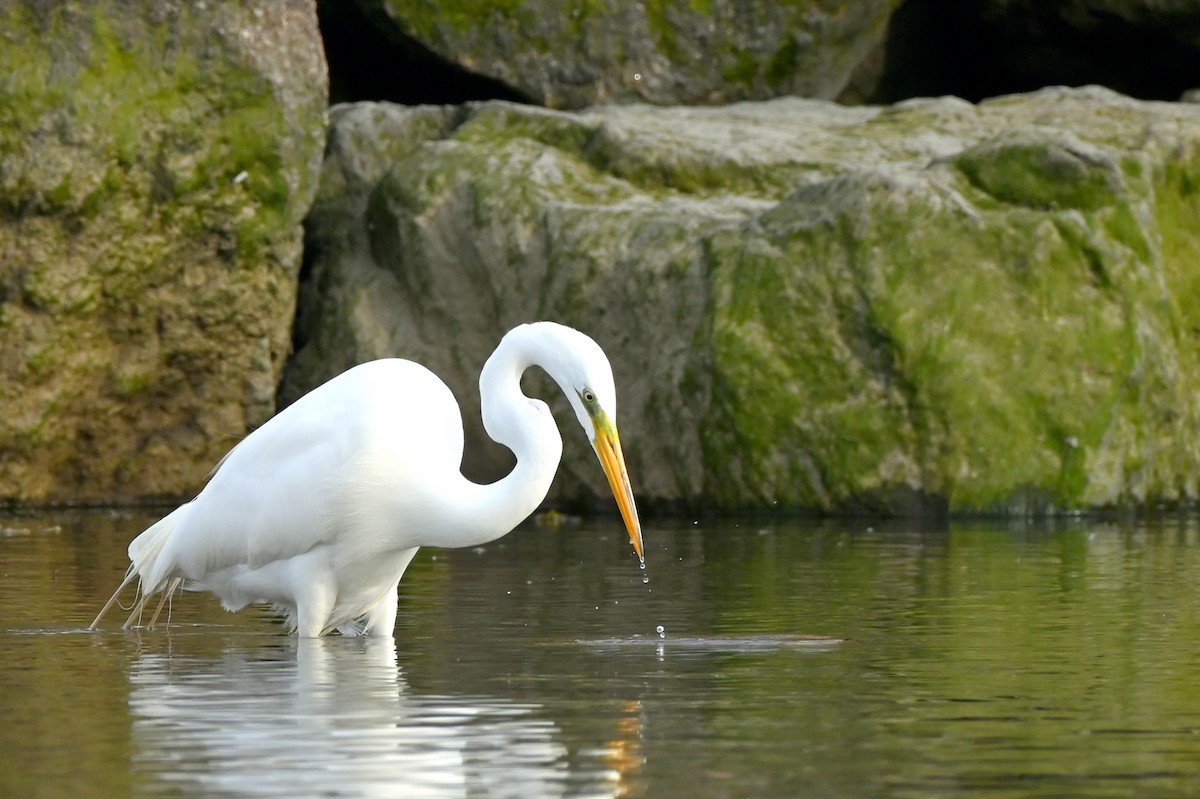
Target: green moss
807,438
741,68
1121,223
131,383
498,122
984,349
42,362
133,103
60,196
664,31
781,67
1177,212
1040,174
462,16
26,90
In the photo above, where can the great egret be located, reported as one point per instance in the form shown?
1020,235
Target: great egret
319,511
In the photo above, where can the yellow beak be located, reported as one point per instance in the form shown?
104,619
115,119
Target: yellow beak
608,447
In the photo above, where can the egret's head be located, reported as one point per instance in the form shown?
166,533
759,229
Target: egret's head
583,372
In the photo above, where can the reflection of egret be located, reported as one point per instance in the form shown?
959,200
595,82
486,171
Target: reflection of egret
336,719
624,752
320,510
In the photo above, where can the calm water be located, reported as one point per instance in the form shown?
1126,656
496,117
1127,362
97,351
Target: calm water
979,660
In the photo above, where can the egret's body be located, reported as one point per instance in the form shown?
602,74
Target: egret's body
320,510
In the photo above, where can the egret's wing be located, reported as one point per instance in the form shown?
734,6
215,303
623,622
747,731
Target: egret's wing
312,474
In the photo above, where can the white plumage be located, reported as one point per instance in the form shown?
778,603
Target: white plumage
320,510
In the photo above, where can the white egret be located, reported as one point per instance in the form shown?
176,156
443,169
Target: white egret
319,511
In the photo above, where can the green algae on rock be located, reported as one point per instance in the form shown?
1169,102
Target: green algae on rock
156,160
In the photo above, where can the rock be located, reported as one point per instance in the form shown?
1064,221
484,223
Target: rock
931,305
156,161
668,53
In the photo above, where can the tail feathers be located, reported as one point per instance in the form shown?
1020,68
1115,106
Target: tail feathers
144,551
146,567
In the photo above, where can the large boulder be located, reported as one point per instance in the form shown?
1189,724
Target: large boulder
669,53
935,304
156,161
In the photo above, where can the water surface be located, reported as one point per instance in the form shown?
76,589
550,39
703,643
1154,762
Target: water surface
797,659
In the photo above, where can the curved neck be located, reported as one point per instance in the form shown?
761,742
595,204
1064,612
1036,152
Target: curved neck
525,425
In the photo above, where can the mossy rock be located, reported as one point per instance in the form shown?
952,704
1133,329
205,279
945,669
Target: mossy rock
156,160
935,305
670,52
1042,170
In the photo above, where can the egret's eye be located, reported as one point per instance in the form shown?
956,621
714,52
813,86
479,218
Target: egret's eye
589,396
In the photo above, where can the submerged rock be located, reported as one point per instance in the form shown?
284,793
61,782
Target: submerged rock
806,305
156,160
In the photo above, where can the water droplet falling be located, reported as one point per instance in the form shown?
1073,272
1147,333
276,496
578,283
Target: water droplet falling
662,632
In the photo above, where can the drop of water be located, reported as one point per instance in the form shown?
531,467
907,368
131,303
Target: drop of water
645,579
643,565
662,631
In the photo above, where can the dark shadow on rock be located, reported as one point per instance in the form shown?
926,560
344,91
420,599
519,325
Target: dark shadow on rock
969,49
369,61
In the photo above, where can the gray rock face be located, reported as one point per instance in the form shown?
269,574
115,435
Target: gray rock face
156,160
806,305
670,53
